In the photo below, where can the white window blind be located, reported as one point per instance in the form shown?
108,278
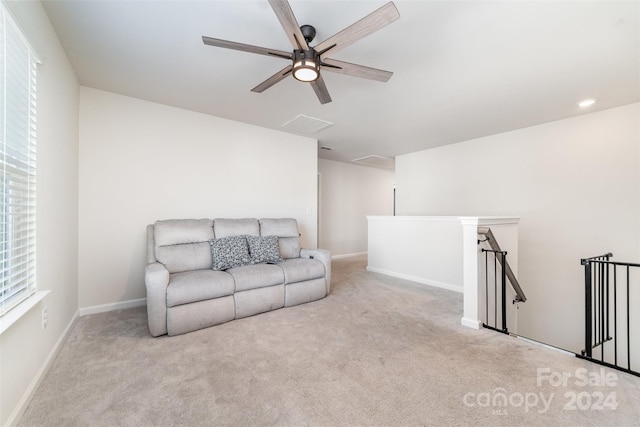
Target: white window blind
18,165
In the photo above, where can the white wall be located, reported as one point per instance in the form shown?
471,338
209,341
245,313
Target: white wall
141,162
25,347
576,185
423,249
348,193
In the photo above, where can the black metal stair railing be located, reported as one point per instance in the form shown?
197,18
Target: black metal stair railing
496,283
499,297
608,328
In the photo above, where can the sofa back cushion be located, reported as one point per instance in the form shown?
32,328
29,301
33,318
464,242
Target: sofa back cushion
177,231
183,244
287,231
225,227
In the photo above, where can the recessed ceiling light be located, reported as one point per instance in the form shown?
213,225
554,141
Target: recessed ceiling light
586,103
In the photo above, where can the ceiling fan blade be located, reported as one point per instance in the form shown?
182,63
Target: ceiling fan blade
321,90
356,70
246,47
280,75
360,29
288,21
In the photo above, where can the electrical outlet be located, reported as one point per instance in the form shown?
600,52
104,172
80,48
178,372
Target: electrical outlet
45,318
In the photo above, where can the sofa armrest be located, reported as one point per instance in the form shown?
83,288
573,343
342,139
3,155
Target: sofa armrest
323,256
151,244
156,279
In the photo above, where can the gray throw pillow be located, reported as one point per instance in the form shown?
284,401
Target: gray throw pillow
264,249
228,252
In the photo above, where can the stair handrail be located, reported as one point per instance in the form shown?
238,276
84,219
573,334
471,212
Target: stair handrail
493,243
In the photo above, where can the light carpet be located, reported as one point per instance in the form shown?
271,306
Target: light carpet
377,351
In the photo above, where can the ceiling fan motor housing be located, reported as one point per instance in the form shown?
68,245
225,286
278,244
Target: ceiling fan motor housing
308,32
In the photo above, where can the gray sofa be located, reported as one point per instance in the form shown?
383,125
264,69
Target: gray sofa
199,274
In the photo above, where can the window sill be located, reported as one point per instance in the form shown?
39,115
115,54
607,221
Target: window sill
13,315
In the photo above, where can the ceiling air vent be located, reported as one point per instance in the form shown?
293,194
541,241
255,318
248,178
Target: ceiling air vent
376,162
306,124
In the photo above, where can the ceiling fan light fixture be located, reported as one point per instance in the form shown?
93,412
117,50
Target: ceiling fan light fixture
305,66
305,70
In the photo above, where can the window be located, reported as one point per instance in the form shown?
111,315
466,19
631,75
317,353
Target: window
17,165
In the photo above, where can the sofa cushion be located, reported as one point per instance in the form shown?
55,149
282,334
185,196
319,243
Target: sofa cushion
256,301
287,231
289,247
302,269
198,285
229,252
256,276
185,257
264,249
177,231
202,314
304,292
225,227
281,227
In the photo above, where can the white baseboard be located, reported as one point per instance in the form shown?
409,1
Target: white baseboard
132,303
547,346
471,323
417,279
22,405
355,254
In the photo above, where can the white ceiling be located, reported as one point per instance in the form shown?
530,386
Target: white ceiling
462,69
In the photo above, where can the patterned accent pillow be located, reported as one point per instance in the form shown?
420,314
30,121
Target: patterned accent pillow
264,249
228,252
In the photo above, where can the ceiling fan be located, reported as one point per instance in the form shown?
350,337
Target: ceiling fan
306,60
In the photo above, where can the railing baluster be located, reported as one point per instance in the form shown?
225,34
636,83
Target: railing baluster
504,292
602,313
628,324
603,307
587,308
495,290
615,315
486,284
606,267
596,305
